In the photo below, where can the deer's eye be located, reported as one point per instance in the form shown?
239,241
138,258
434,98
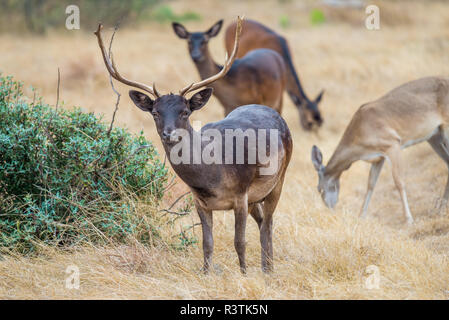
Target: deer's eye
185,114
155,114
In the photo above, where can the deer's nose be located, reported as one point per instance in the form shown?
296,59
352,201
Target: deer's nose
318,120
166,135
196,55
170,135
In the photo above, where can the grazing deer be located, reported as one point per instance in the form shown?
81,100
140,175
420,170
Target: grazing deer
256,36
218,186
415,112
259,77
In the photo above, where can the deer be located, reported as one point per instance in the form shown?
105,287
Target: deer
256,36
241,187
259,77
412,113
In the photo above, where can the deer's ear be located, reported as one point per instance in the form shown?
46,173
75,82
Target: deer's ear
141,100
317,158
199,99
180,30
318,98
215,29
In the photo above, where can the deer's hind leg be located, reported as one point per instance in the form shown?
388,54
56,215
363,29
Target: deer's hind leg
440,144
266,228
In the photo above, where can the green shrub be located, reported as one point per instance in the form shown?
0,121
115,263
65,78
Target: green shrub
284,21
165,14
317,17
65,179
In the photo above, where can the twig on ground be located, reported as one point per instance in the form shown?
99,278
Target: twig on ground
176,201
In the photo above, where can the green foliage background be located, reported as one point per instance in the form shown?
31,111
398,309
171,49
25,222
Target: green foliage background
65,178
37,16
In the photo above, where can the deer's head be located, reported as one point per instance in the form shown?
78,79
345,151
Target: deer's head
328,186
171,111
310,115
197,41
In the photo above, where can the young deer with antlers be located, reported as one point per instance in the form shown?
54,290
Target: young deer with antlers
412,113
259,77
220,186
257,36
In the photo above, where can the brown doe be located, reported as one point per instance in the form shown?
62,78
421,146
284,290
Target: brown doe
415,112
256,36
238,186
258,77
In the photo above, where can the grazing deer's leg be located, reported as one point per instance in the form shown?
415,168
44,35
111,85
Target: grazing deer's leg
394,154
257,213
241,214
266,230
373,175
440,143
208,240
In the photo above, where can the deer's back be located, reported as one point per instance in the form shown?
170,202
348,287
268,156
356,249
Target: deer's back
409,113
254,35
254,117
259,77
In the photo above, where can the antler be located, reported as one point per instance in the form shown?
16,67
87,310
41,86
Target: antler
112,69
227,65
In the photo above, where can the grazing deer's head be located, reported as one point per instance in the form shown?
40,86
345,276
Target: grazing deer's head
197,40
170,111
310,115
328,186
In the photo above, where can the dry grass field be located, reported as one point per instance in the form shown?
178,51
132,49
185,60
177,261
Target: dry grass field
319,253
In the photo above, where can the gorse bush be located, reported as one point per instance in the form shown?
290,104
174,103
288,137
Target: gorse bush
65,177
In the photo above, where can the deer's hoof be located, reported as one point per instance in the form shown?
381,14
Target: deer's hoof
215,268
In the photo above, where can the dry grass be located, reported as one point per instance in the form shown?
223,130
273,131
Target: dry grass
319,254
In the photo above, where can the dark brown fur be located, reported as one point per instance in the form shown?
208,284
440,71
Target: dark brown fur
254,36
259,77
238,187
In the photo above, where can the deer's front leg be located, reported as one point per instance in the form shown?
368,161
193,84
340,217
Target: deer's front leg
208,239
394,154
373,175
241,214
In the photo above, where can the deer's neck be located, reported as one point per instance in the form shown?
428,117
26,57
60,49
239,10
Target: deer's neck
207,66
296,92
185,158
341,160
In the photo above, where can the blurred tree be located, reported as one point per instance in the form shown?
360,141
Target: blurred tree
32,10
37,16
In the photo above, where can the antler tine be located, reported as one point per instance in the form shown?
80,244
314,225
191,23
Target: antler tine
226,66
156,93
112,69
